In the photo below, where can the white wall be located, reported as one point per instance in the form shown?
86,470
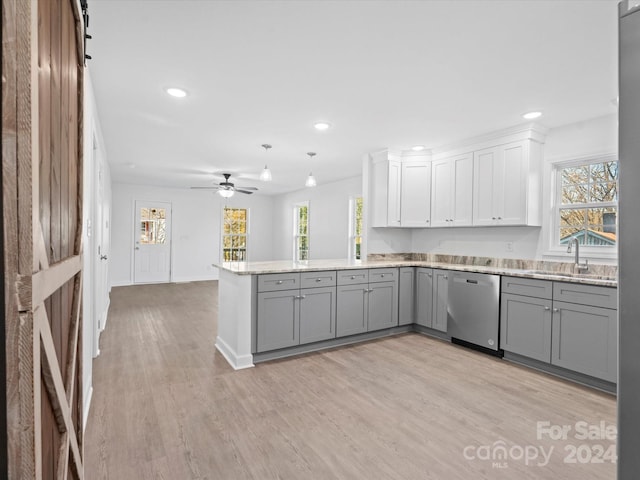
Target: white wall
587,138
195,230
328,219
91,131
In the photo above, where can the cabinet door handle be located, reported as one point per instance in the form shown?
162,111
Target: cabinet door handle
427,221
446,277
499,218
556,310
300,297
547,308
429,275
353,277
493,218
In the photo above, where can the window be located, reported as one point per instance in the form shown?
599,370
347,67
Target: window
355,228
587,203
301,232
152,226
234,234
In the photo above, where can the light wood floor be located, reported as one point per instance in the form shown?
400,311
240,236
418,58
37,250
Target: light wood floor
167,406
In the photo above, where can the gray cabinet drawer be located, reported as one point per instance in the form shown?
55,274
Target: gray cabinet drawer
317,279
278,281
592,295
529,287
350,277
383,275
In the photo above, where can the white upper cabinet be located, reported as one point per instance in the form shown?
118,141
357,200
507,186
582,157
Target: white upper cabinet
401,190
492,180
451,191
506,184
415,199
385,190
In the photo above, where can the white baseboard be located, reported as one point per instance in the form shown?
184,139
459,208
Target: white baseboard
238,362
122,283
86,405
105,314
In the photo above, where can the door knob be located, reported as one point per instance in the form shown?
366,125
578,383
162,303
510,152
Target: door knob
103,257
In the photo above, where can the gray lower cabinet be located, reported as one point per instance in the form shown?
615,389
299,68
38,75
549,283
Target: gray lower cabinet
424,296
317,314
365,307
432,298
278,320
585,339
525,328
406,294
440,300
286,318
569,325
352,309
383,306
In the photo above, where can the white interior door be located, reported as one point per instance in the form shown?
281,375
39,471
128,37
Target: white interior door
152,248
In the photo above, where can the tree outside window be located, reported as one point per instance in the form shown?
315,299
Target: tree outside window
587,205
234,234
355,228
301,232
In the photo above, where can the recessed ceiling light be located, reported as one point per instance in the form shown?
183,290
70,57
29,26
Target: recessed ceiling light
176,92
531,115
417,148
321,126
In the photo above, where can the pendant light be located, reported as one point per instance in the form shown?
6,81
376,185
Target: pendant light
311,180
265,176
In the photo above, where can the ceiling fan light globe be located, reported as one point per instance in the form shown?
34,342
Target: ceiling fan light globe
226,193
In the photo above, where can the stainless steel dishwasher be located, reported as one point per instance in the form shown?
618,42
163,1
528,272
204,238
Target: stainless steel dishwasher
474,315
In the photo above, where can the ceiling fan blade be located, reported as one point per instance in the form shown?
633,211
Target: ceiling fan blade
243,191
207,188
248,188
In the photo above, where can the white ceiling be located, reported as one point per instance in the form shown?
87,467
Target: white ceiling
383,73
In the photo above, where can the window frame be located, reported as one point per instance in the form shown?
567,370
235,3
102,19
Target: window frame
296,231
592,251
352,248
245,235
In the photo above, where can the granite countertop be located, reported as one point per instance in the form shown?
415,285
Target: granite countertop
603,275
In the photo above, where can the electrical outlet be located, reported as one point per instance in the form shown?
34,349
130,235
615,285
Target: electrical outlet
509,246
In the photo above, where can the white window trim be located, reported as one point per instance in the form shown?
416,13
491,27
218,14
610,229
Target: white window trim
352,230
555,250
246,235
296,206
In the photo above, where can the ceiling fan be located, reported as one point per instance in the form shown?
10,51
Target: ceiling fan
227,189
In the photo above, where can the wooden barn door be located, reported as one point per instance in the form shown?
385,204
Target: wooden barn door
42,65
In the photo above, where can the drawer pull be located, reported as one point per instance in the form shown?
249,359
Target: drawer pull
382,275
353,277
318,279
279,282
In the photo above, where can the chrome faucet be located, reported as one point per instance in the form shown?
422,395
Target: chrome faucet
581,267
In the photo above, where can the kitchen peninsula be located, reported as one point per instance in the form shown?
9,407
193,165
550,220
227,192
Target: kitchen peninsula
276,309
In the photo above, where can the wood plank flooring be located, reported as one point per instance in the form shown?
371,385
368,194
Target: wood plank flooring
167,406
